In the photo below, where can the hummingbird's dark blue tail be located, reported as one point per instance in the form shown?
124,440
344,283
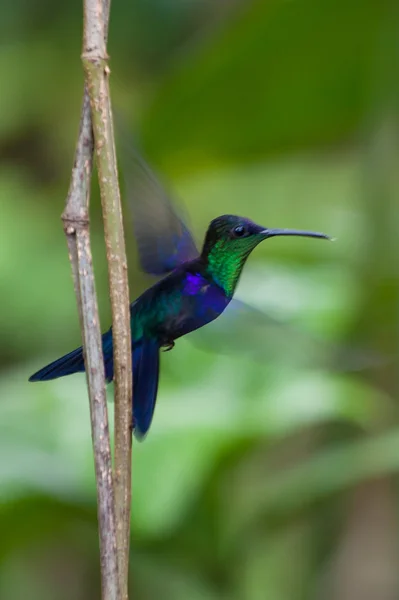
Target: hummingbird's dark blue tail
66,365
145,384
145,376
73,362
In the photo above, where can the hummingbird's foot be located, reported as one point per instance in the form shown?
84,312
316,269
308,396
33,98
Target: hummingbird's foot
169,346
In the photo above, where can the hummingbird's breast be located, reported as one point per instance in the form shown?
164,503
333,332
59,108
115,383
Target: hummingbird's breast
201,302
181,303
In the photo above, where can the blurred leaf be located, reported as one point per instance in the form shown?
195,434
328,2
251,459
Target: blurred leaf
326,473
280,75
155,579
53,544
262,566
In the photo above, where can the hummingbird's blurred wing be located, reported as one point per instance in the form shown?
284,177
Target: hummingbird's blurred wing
248,330
163,238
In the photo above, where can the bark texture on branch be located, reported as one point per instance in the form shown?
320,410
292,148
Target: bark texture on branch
76,227
114,523
97,80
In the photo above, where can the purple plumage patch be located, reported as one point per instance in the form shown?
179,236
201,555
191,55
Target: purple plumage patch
194,284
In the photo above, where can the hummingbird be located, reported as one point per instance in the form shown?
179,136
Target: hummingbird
195,288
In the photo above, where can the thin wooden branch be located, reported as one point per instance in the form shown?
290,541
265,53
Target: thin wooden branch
95,63
76,226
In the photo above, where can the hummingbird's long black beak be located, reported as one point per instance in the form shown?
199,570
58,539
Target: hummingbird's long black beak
314,234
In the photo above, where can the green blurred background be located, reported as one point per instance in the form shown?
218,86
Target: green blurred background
258,479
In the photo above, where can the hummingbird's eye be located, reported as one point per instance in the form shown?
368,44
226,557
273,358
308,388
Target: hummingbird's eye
239,231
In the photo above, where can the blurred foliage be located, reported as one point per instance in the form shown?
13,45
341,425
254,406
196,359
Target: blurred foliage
258,479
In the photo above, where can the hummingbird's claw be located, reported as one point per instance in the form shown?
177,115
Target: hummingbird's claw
169,346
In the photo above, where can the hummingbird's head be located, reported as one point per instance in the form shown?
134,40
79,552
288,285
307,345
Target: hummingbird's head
229,241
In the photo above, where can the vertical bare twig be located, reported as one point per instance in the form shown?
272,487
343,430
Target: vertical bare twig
95,59
76,226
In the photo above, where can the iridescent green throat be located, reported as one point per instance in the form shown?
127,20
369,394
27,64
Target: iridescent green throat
225,263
